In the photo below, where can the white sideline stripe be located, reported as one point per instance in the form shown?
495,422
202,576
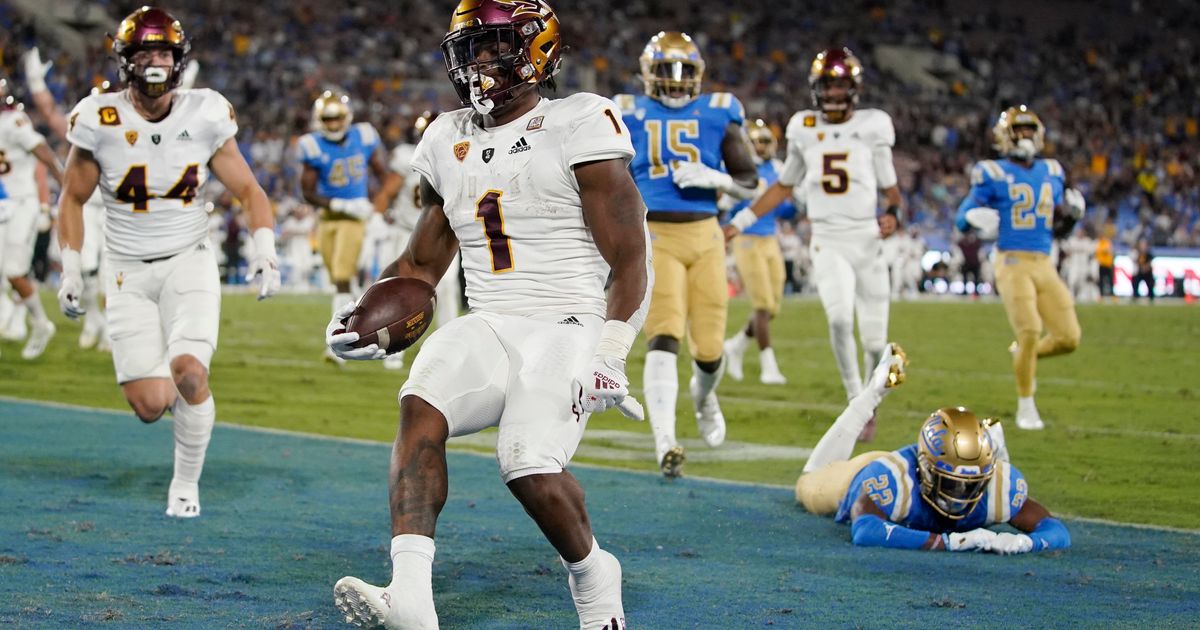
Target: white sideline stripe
643,473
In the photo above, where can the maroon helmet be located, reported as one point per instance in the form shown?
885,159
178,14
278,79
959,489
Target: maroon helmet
522,38
149,28
834,64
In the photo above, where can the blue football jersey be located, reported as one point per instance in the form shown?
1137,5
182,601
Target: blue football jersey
767,224
1025,198
341,166
664,135
893,483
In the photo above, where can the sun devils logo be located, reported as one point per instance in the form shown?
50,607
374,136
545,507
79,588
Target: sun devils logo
820,136
131,137
460,150
120,279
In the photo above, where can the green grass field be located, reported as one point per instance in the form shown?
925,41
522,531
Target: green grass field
1123,422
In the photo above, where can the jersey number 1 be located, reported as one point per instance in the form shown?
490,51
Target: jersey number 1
488,210
132,188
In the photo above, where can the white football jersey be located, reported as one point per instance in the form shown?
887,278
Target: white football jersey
152,173
839,169
18,139
512,199
405,210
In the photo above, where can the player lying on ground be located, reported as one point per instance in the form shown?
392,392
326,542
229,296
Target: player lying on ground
958,468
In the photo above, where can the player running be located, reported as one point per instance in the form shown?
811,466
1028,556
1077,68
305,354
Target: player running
940,494
150,148
537,196
1020,196
840,157
682,138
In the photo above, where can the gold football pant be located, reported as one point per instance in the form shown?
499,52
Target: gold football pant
340,242
760,264
690,293
1034,296
821,491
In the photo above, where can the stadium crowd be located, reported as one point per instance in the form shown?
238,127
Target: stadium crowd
1114,82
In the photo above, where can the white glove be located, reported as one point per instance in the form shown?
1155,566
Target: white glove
986,222
72,284
1075,203
697,175
188,78
339,340
35,70
889,373
975,540
1007,544
376,225
264,263
604,386
360,208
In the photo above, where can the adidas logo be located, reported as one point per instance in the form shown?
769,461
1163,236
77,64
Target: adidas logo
520,146
572,320
184,135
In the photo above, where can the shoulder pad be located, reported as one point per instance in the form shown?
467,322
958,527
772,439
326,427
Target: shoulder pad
986,171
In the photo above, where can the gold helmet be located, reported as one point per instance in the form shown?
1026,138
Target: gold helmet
332,115
956,459
672,68
1006,133
762,139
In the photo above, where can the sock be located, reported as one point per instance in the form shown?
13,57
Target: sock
838,442
661,381
741,341
412,561
582,569
17,318
36,312
596,588
193,428
766,359
707,380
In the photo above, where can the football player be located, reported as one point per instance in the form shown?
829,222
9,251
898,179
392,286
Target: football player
760,264
840,156
1019,197
151,148
21,148
940,494
682,137
537,196
401,190
336,155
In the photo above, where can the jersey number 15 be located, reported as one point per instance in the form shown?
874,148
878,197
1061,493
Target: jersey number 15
676,131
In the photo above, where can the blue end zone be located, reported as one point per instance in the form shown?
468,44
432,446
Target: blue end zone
83,542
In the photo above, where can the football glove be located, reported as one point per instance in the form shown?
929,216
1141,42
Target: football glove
1075,203
980,539
264,264
697,175
339,341
986,222
604,386
1007,544
36,70
72,284
360,208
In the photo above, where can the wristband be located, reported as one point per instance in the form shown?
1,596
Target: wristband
616,338
72,264
264,242
743,219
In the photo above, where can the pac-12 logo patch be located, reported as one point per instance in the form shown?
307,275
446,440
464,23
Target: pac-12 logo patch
487,155
460,150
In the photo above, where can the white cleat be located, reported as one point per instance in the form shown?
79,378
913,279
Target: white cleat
367,606
709,418
183,500
1028,417
776,377
394,361
16,330
42,332
88,338
735,350
598,603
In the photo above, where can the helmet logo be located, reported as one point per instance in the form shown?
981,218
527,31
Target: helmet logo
522,7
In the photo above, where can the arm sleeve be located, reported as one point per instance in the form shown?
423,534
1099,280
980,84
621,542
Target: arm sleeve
597,133
881,154
81,126
976,198
869,530
220,112
1050,534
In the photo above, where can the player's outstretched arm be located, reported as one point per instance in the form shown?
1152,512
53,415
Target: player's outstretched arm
228,165
870,527
1043,532
432,246
774,195
44,155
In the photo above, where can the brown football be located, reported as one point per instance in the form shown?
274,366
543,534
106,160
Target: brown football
393,313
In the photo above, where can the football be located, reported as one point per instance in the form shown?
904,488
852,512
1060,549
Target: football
393,313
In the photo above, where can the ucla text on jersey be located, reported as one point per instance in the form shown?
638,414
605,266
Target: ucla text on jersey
893,484
768,173
341,166
1025,198
664,135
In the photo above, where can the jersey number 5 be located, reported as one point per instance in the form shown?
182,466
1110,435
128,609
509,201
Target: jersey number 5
132,188
488,210
835,179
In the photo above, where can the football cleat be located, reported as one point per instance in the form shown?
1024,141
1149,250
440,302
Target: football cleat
598,602
709,418
735,350
183,500
367,606
671,462
15,330
1028,417
38,339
